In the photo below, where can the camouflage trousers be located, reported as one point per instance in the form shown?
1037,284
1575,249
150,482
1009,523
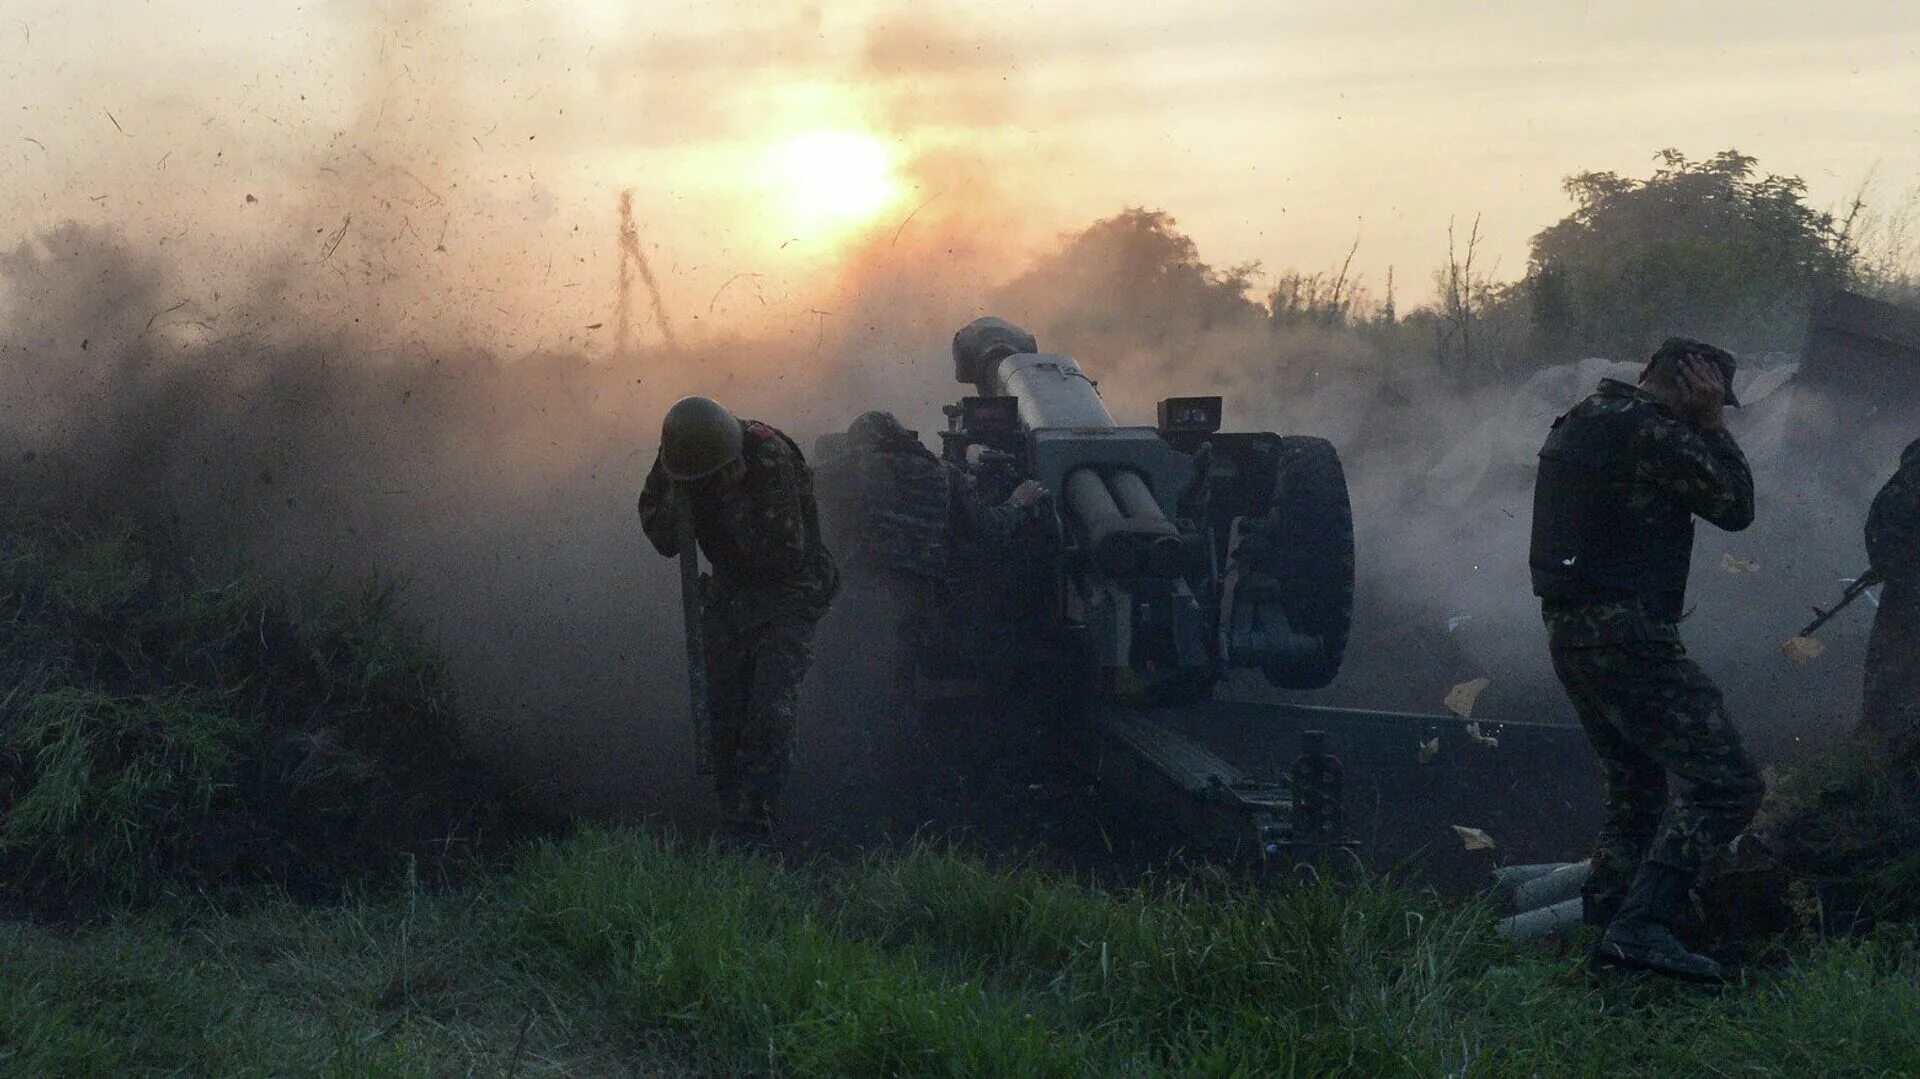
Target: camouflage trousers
1890,698
1652,713
756,661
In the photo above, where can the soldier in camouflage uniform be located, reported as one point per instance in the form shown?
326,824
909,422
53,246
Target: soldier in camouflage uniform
976,518
773,579
1890,708
897,510
1622,475
900,512
1867,816
888,494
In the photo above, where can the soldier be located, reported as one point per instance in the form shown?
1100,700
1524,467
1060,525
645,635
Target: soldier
975,516
1622,475
897,510
754,516
894,507
1890,706
901,509
990,501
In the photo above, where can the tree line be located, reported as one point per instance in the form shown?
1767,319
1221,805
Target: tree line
1713,248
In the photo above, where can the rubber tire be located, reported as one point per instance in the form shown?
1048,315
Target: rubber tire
1312,524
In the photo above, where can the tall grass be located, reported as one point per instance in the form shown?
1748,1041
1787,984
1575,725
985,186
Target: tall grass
739,956
167,730
619,952
1846,828
930,963
121,789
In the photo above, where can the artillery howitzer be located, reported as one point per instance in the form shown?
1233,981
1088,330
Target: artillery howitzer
1178,552
1167,558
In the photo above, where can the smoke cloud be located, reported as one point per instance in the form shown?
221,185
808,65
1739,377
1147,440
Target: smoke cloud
356,320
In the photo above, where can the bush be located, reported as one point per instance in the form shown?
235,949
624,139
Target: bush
171,730
116,788
1708,249
1847,830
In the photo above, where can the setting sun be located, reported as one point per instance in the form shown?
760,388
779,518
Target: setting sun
835,179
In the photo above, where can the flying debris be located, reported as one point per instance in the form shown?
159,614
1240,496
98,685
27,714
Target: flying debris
1803,650
1461,698
1474,838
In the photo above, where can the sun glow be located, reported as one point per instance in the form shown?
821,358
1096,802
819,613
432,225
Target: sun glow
835,180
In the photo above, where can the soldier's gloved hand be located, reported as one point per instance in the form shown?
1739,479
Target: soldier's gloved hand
1028,493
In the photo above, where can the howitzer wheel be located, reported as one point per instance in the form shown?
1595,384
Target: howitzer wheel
1309,533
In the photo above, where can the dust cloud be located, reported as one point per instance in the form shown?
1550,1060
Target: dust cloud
379,334
352,318
500,489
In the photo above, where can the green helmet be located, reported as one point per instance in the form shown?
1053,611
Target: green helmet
698,438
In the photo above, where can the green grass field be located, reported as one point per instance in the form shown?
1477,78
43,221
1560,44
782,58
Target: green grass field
618,952
225,850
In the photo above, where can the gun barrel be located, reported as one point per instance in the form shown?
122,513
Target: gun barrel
1107,474
1125,530
1823,615
1165,554
1090,500
1052,389
1134,498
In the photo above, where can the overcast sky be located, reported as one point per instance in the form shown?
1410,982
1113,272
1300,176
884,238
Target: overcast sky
483,142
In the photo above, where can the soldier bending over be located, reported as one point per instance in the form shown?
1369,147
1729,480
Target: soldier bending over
754,516
1622,475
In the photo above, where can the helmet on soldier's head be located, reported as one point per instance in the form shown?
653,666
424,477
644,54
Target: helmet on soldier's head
698,438
880,431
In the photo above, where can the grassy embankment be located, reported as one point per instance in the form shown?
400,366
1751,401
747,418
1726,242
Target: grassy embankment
617,951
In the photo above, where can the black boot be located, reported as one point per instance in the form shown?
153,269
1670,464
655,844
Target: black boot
1599,911
750,822
1641,936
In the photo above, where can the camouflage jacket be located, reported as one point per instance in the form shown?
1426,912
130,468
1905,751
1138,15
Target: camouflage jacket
1893,525
762,534
899,507
975,519
1670,464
